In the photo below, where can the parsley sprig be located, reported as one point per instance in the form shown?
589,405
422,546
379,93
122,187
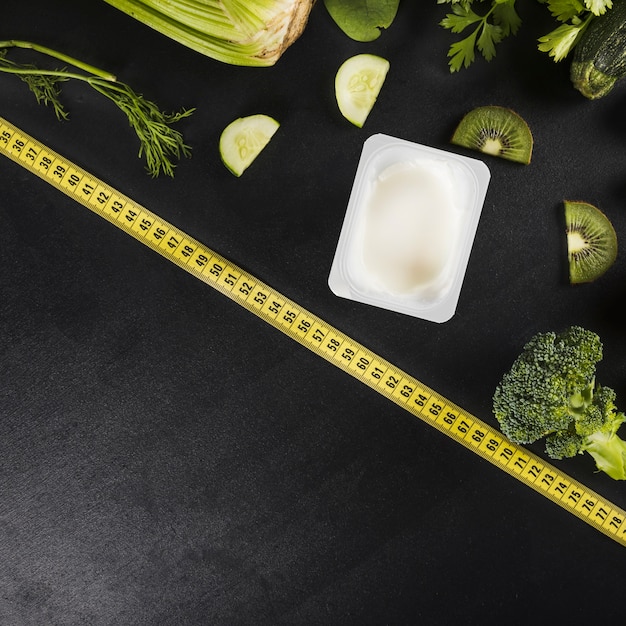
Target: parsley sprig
487,30
489,27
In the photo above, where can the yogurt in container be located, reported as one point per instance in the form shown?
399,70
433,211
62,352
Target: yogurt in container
409,228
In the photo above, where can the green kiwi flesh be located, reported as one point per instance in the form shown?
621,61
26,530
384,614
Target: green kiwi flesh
591,242
497,131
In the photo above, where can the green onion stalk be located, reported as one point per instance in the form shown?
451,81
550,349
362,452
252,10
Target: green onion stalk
237,32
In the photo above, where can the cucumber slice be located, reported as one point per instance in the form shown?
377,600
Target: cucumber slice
357,85
243,139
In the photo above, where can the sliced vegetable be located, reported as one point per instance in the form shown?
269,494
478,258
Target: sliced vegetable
239,32
600,56
357,85
243,139
362,20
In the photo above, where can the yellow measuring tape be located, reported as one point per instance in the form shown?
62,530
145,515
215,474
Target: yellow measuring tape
312,332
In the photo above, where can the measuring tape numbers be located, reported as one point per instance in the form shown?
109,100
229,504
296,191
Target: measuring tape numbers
311,331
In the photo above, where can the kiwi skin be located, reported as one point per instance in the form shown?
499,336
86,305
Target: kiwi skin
591,241
495,130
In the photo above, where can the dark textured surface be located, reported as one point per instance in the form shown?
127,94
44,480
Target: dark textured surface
167,458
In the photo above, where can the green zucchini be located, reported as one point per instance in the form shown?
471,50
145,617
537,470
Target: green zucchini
599,59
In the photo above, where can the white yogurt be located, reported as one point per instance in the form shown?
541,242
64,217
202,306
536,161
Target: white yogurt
409,227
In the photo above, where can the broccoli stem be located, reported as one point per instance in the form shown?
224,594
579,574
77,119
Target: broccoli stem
609,453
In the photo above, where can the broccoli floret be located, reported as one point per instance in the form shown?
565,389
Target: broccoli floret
550,391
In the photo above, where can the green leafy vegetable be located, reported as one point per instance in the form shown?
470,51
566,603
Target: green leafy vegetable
497,19
561,41
239,32
574,17
487,29
551,391
362,20
159,142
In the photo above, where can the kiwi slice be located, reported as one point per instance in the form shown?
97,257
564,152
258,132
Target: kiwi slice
591,242
497,131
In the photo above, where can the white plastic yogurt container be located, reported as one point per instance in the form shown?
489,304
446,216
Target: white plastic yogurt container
409,228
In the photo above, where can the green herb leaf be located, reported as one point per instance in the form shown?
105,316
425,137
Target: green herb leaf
598,7
460,18
486,42
506,17
560,41
159,143
500,21
362,20
461,53
45,87
565,10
